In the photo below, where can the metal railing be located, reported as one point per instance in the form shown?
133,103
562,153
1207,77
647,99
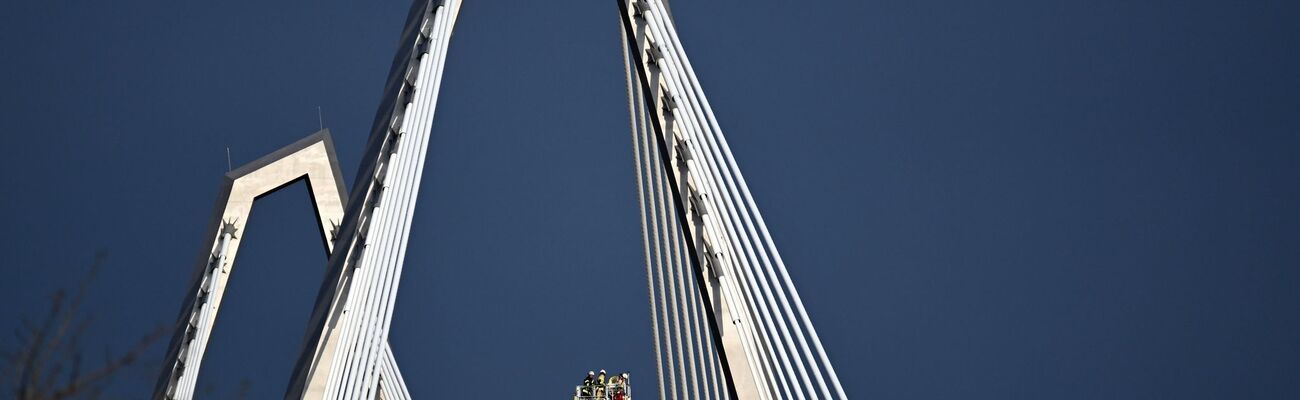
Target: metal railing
607,391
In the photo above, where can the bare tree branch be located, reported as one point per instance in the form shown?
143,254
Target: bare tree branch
48,362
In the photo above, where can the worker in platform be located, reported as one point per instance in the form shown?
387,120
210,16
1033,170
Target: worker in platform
600,384
620,386
588,383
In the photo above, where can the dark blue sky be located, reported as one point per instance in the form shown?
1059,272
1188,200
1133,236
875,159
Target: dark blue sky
1006,199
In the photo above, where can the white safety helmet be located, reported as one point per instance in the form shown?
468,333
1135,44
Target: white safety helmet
602,371
590,373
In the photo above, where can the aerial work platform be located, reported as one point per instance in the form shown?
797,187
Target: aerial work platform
601,387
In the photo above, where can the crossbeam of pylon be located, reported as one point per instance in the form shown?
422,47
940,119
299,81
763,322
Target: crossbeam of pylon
310,159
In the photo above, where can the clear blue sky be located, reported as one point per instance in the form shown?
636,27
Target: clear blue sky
1005,199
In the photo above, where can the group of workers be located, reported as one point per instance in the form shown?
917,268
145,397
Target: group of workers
594,386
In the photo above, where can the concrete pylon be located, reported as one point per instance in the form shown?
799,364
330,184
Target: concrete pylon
734,324
345,352
345,347
311,159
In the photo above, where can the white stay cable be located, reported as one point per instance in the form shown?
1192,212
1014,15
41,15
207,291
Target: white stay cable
632,109
686,279
657,175
763,228
396,187
726,208
761,316
673,272
682,264
405,197
375,266
726,292
748,197
726,289
706,173
693,294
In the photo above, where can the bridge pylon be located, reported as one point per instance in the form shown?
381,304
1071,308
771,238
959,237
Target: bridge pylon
728,320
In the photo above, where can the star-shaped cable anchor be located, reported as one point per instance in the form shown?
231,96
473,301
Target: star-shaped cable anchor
334,231
229,227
